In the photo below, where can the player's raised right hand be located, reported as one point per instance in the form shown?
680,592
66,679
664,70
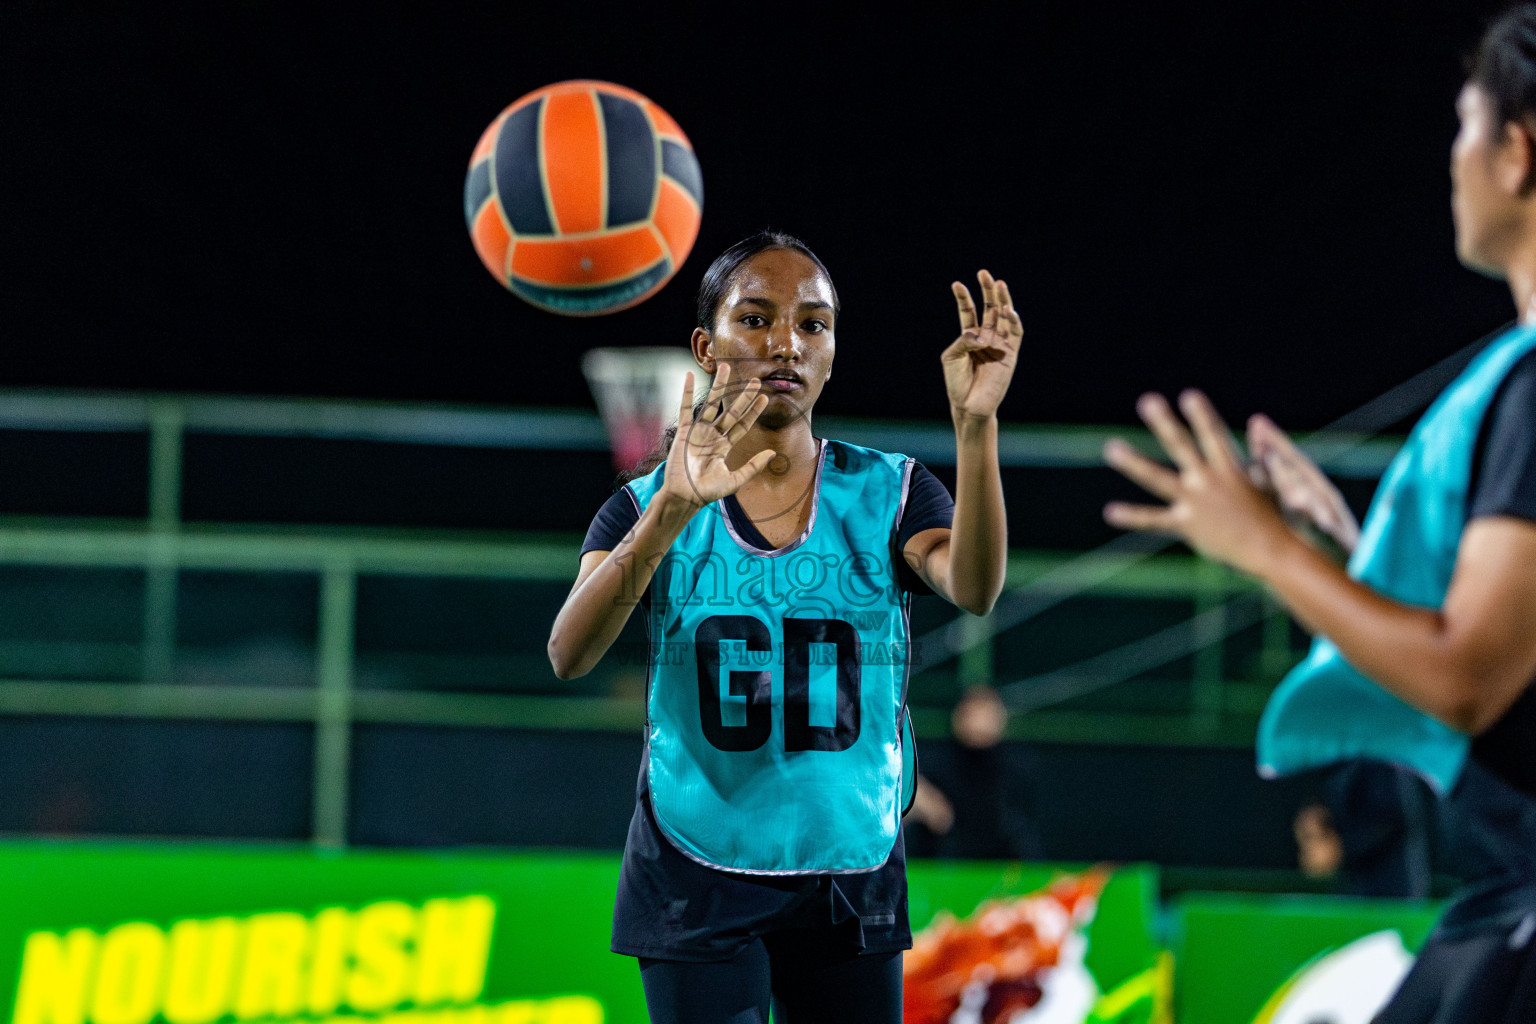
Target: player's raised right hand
697,472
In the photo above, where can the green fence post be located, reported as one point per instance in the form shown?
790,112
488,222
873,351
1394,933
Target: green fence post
1205,708
166,421
333,709
1275,656
974,667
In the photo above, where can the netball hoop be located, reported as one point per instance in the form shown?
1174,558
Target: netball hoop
638,391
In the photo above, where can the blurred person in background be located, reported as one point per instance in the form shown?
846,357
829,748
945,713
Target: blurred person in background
971,804
1369,831
1426,647
1319,850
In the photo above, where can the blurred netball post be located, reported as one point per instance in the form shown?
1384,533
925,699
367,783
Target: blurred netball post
638,393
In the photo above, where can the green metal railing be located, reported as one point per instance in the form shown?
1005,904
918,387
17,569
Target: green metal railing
1219,710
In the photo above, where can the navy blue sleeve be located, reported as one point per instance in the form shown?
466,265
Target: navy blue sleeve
613,521
928,507
1504,470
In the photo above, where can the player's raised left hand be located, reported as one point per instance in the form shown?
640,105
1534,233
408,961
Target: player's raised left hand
979,365
1212,504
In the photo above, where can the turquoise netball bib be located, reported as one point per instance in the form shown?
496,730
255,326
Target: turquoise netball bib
1325,711
777,739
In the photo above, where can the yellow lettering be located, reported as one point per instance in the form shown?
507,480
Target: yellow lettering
572,1010
199,982
128,976
451,950
328,959
516,1011
272,976
280,966
54,974
380,975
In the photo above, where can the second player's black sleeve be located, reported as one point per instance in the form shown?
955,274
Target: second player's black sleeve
929,506
1504,468
1504,484
612,523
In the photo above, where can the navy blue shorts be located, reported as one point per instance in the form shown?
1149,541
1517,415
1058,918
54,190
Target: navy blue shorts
670,907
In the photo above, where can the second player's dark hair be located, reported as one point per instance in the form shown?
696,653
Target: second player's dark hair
717,279
1504,64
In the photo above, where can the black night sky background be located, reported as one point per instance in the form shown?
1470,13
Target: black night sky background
254,198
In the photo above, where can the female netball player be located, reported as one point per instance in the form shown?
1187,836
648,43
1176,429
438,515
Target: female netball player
774,568
1426,646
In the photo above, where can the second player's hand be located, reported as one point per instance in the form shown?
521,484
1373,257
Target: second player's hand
979,364
1212,504
1298,484
697,472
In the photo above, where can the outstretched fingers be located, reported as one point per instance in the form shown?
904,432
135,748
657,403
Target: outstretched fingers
988,300
744,411
1153,518
1298,482
1169,430
1290,473
751,468
714,402
1008,322
1149,475
966,305
685,413
997,317
1274,448
1264,435
1211,431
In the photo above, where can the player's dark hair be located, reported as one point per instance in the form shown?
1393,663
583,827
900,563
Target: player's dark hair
1504,64
712,289
717,279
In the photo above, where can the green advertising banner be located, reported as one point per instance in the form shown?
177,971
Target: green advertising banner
194,934
1283,959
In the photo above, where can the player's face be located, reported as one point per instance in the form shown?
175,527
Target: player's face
775,324
1482,205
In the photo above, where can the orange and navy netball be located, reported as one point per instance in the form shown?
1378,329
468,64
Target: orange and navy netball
583,198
